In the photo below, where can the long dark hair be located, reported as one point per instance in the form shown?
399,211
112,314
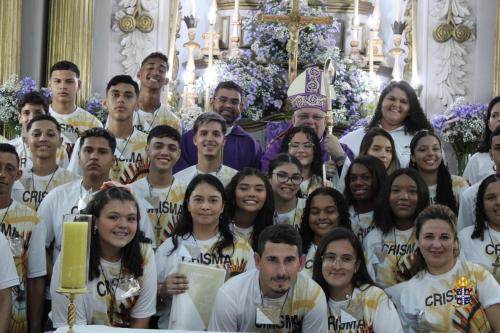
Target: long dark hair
360,277
317,161
280,159
438,212
485,145
481,218
131,256
264,217
184,228
416,119
305,230
377,171
444,187
367,142
383,216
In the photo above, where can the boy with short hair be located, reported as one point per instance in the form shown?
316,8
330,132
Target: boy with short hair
64,83
151,113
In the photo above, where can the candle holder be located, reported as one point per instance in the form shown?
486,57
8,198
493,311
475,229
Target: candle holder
355,50
74,260
397,51
234,51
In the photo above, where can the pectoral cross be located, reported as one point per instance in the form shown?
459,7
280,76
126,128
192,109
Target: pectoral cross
295,23
496,264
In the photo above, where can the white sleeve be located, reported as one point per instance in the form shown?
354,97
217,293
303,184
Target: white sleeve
467,208
37,265
370,257
224,314
471,169
386,317
59,313
45,211
316,320
166,263
8,273
74,163
489,291
146,303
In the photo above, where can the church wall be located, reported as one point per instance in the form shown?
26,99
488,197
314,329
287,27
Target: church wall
33,48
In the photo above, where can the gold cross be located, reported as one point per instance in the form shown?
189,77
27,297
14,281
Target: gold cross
295,23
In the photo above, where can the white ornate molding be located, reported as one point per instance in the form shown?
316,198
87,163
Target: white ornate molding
451,55
135,45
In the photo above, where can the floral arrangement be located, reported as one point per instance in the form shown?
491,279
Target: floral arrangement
461,125
264,85
269,41
188,116
95,107
11,91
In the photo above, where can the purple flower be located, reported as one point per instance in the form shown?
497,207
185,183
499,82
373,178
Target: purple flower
26,85
438,121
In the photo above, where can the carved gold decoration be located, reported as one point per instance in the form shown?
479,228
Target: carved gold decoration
496,67
10,39
142,21
295,22
446,30
70,38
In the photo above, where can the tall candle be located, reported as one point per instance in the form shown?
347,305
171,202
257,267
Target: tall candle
398,10
236,7
356,12
74,255
193,8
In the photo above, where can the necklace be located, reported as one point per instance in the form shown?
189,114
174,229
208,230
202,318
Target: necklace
37,202
112,293
158,214
496,264
124,147
276,215
397,269
216,172
6,212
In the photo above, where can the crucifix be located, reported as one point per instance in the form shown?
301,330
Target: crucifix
295,23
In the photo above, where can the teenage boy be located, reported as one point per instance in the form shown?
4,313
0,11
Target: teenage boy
275,296
153,77
31,105
64,83
22,228
209,138
162,192
8,280
240,149
121,102
43,139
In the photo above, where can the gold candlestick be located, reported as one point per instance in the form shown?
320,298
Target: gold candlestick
397,51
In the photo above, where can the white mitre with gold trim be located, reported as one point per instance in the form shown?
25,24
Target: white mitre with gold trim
308,90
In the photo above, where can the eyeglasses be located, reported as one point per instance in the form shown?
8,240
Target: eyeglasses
305,116
344,260
224,100
305,145
283,177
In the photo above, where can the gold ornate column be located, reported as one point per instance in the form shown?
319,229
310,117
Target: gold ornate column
496,67
10,38
70,38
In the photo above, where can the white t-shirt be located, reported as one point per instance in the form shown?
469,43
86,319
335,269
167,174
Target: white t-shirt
484,252
235,309
235,261
310,259
369,308
145,121
386,253
26,234
92,307
440,303
164,206
225,174
361,224
131,159
8,274
402,141
458,184
244,233
25,159
467,208
292,217
480,166
75,123
32,188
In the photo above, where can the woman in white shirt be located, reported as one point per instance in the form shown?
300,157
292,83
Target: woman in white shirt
122,271
480,164
355,304
325,210
481,241
447,294
250,204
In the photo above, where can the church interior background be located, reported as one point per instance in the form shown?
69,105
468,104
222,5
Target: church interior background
449,50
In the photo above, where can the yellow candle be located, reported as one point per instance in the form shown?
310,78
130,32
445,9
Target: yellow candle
74,255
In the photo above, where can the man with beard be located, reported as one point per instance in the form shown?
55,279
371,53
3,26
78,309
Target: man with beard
240,149
275,296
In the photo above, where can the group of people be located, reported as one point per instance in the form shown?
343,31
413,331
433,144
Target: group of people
366,233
